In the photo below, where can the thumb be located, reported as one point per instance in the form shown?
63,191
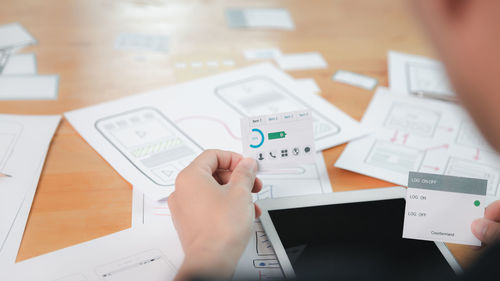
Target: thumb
486,230
243,176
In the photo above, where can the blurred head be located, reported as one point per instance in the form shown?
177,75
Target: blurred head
466,34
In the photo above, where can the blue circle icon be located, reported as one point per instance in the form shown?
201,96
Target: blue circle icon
261,138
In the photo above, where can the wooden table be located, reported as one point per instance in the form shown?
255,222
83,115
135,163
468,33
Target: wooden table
80,197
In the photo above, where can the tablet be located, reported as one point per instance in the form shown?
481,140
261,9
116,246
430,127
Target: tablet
355,235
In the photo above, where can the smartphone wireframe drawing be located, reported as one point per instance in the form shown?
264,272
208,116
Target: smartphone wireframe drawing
151,142
9,134
261,96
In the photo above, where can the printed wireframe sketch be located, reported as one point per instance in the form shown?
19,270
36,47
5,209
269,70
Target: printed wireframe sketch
260,96
151,142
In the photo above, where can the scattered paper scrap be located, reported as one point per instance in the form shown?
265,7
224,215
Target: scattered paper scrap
200,64
259,18
141,42
355,79
262,54
14,35
20,64
301,61
28,87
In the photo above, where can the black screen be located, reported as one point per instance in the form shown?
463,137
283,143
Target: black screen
356,241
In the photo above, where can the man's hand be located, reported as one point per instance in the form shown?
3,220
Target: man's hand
487,229
213,212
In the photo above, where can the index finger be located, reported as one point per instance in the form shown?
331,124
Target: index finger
213,159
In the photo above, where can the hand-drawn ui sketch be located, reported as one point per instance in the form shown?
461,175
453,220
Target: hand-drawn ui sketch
425,135
151,142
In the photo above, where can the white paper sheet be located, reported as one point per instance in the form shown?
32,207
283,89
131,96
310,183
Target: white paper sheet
260,18
150,253
138,135
256,260
20,64
424,135
262,54
28,87
301,61
24,141
411,73
14,35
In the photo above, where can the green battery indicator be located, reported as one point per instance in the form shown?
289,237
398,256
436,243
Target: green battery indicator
276,135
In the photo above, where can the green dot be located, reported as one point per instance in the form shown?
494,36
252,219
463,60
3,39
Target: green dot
477,203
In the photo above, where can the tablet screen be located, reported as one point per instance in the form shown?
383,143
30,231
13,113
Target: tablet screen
356,241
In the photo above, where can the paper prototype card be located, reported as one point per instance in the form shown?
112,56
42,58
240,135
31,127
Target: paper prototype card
355,79
442,208
279,140
14,35
141,42
301,61
259,18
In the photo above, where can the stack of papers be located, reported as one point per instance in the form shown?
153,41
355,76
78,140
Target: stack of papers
24,141
18,73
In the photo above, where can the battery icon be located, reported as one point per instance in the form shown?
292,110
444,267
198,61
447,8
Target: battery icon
276,135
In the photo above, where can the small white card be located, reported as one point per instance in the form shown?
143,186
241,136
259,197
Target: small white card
301,61
141,42
279,140
355,79
14,35
442,208
262,54
20,64
29,87
259,18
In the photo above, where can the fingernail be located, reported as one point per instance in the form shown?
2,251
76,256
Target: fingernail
249,163
480,227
